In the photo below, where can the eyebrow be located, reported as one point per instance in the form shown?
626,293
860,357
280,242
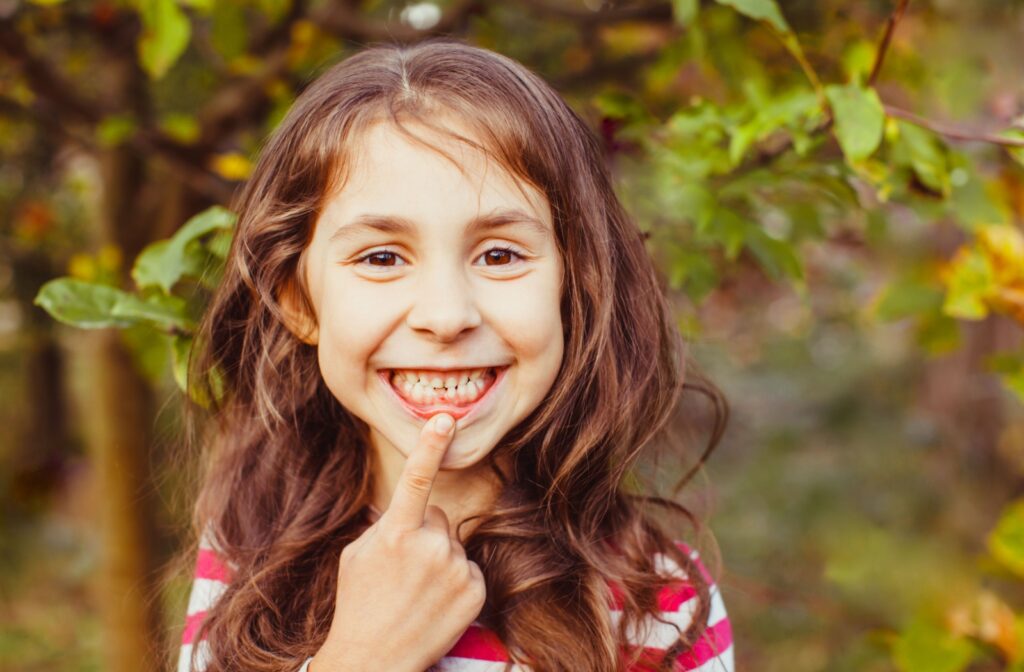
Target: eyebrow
395,224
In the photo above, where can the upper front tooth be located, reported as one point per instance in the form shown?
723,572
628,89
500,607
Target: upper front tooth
451,382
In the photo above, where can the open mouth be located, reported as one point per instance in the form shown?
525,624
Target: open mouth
426,393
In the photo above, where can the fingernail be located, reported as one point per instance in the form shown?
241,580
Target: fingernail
443,424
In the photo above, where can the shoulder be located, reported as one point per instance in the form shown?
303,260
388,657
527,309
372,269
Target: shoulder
210,579
679,603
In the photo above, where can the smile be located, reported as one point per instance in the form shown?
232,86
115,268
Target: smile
426,393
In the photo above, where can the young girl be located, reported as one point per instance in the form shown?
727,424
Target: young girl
444,347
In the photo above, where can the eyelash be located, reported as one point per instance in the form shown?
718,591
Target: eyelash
499,248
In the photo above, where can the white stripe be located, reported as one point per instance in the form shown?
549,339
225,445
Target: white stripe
723,662
202,657
657,635
665,564
204,593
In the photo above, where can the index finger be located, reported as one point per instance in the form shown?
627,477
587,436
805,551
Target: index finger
409,501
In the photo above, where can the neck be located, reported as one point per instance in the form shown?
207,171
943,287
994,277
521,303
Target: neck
461,493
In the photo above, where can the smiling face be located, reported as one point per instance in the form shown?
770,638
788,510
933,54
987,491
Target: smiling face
417,265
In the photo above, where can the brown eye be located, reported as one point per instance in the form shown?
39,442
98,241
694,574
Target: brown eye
384,257
500,256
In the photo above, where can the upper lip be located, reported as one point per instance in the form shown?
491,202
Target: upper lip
445,369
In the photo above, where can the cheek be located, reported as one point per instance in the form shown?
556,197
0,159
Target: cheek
349,335
531,325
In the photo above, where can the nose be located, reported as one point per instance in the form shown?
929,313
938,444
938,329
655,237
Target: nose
444,303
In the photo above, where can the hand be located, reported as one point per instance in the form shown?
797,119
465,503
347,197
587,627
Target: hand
406,591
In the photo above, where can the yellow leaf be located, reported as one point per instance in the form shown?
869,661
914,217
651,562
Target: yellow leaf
988,619
232,166
82,266
1004,246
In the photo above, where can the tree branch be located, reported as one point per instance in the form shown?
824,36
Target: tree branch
883,46
43,79
199,179
952,132
656,12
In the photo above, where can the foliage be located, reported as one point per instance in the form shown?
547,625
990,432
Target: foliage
753,140
193,256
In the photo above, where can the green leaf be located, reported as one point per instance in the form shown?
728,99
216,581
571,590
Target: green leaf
1010,367
926,156
761,10
777,257
685,11
227,29
729,229
859,119
908,298
181,349
165,262
1016,152
922,645
274,9
160,311
694,272
220,243
1006,542
82,304
115,129
182,127
165,34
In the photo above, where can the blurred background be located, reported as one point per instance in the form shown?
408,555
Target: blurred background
834,190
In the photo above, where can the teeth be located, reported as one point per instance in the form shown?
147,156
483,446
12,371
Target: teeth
424,387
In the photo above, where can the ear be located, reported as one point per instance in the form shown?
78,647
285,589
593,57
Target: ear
297,316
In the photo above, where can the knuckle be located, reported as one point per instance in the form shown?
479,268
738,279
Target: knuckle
477,593
438,545
391,540
418,483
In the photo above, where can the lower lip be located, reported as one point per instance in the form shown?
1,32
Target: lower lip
466,413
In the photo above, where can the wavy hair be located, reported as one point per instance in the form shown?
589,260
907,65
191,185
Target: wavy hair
287,482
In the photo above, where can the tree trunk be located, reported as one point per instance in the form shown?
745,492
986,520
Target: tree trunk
119,420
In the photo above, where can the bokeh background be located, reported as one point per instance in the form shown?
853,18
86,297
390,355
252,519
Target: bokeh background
834,190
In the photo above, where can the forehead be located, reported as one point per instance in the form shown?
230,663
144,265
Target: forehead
384,167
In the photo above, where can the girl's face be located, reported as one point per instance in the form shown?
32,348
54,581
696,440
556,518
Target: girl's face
422,275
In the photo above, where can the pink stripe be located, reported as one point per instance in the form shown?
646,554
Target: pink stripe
715,640
210,566
477,643
192,623
672,597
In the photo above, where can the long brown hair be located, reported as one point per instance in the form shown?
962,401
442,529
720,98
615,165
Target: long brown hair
288,483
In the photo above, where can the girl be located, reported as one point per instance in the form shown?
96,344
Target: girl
444,347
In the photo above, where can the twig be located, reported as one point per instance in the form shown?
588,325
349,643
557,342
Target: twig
952,132
883,46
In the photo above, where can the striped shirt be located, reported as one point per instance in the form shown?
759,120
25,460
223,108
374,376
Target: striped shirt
480,650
